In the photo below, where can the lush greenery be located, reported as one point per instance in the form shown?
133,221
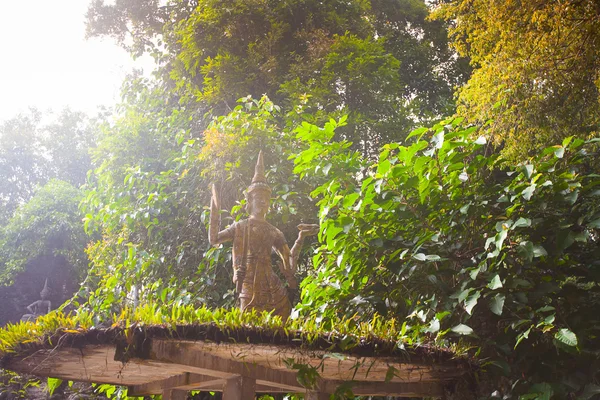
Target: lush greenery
382,62
536,68
464,245
482,229
17,337
149,201
48,224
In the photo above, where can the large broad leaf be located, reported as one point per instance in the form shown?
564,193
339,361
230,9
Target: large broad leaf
495,283
417,132
471,302
589,391
566,337
539,251
539,391
528,192
462,329
594,224
497,303
521,222
434,326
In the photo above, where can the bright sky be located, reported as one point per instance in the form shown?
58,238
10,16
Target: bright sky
47,63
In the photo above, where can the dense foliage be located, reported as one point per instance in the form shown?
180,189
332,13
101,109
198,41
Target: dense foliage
48,225
437,233
150,196
536,68
473,231
382,62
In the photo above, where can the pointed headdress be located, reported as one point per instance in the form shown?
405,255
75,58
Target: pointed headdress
259,181
45,291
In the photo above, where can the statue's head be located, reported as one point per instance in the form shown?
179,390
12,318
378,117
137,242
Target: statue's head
258,195
258,202
45,293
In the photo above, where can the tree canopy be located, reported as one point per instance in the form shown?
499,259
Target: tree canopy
35,148
535,68
382,62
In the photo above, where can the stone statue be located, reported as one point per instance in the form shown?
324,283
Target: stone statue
39,307
257,285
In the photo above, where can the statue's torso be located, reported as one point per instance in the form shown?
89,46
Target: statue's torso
253,241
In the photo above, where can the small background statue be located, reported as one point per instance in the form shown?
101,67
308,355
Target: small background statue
257,285
39,307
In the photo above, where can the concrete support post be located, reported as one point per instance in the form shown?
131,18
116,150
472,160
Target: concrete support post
239,388
311,395
173,394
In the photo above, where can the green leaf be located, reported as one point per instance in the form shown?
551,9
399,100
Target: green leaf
539,251
497,303
539,391
349,200
463,295
471,302
559,152
420,257
495,283
383,167
589,391
521,222
565,239
528,192
522,336
417,132
526,250
594,224
53,384
572,197
566,337
474,272
499,239
462,329
391,372
545,309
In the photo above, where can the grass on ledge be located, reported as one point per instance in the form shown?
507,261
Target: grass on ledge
379,336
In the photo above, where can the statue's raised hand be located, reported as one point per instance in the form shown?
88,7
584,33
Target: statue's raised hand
214,200
307,230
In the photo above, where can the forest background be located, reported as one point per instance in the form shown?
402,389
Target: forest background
447,149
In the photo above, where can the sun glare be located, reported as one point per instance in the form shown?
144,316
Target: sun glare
48,64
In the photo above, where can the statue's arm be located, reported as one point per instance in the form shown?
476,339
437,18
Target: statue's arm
216,237
286,268
49,307
305,230
295,252
31,305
